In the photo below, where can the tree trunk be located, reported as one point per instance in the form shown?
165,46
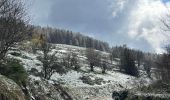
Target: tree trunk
92,67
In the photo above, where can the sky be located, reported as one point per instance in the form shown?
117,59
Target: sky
132,22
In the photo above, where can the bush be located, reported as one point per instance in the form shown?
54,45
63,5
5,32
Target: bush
35,72
15,71
159,87
120,95
87,80
76,67
26,57
15,54
98,81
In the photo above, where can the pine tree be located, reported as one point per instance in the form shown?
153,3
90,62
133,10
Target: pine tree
127,63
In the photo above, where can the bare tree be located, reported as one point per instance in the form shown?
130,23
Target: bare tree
13,26
105,61
104,67
67,60
166,23
49,61
74,61
93,58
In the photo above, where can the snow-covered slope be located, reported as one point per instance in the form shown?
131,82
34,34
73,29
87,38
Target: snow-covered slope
111,81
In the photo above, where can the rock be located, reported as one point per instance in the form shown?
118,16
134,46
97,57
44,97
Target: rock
9,90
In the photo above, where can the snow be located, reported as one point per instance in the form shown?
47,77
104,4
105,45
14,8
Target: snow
30,62
113,80
70,78
35,78
154,95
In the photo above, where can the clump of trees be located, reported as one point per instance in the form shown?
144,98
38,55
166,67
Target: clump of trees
163,60
70,60
50,64
95,58
116,52
163,65
130,57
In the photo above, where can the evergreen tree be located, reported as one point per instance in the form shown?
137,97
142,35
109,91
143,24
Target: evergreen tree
163,65
127,63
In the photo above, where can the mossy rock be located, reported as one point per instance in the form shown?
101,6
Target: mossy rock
9,90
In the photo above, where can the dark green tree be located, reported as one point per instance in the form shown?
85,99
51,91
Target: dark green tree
127,63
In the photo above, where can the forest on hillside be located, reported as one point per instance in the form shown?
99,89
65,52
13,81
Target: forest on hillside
63,36
45,62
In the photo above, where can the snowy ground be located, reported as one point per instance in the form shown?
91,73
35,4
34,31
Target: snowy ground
72,78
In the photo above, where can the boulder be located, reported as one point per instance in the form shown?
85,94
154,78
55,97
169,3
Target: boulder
9,90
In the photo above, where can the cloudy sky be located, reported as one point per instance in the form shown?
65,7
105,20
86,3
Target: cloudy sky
132,22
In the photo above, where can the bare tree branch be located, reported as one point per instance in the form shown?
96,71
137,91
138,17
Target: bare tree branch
13,26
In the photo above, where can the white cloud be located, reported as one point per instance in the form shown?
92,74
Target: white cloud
130,21
154,38
144,22
117,6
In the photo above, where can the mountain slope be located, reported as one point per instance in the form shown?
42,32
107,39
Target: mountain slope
80,84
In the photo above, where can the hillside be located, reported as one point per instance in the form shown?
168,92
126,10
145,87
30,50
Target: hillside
81,84
49,63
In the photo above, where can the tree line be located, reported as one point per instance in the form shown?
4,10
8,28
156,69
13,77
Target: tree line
62,36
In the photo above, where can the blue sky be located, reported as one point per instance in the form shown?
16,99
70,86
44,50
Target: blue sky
132,22
165,1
